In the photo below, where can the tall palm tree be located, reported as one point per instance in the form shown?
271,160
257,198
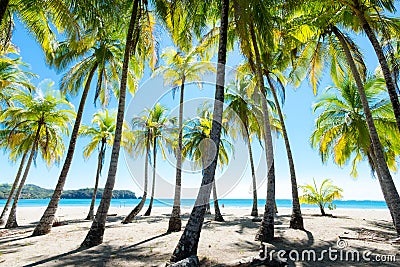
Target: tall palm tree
341,129
179,69
160,128
102,136
12,78
196,133
100,52
139,23
247,17
188,243
45,117
388,187
243,111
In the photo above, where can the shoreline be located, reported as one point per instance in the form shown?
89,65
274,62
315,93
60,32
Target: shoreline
188,203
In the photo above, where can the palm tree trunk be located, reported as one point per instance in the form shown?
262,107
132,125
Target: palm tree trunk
266,231
12,217
3,8
46,221
175,222
208,209
394,98
153,186
218,216
254,210
96,184
378,174
139,206
386,182
95,235
296,220
321,208
14,186
188,243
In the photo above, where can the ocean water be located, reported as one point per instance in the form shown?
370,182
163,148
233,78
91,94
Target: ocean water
281,203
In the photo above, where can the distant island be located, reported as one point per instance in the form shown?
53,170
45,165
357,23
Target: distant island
31,191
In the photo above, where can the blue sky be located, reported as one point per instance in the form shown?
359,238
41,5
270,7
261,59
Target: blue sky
234,180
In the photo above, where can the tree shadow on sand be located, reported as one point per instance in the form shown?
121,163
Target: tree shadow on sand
106,255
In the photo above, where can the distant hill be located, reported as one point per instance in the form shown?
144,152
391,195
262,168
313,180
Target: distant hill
31,191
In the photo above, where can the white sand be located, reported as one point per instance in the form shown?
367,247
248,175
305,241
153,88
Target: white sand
144,243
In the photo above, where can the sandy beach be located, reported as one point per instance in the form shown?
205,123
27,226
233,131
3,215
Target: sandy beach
145,243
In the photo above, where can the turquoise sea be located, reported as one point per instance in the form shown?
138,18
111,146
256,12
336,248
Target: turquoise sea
281,203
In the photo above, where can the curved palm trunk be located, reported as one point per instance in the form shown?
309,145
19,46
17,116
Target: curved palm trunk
394,98
266,231
296,220
254,209
175,222
188,243
218,216
14,186
3,8
95,235
386,182
378,174
139,206
46,221
96,184
12,217
153,186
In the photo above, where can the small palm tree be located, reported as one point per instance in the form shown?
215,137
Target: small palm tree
161,128
140,136
42,118
244,113
102,136
321,195
196,133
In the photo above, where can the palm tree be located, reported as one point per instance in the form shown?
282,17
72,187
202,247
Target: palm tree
196,133
388,187
160,128
245,113
100,53
321,195
140,130
12,79
341,129
44,117
341,45
188,243
138,13
248,18
102,135
181,68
